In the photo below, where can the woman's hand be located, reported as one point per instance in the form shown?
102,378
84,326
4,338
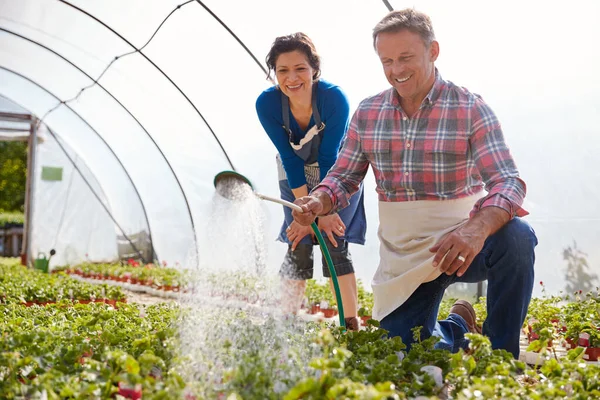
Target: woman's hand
296,232
332,224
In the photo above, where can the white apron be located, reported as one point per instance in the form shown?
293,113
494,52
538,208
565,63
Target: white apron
407,230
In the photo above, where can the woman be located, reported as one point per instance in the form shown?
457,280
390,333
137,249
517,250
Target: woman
306,119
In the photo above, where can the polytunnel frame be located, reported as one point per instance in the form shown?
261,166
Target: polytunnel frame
95,82
139,50
136,50
53,134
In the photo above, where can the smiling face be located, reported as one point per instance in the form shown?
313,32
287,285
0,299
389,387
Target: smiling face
294,74
408,63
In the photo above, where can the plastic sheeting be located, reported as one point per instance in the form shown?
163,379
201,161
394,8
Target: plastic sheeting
153,129
66,214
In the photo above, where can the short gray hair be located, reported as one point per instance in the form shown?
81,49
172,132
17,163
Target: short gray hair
409,19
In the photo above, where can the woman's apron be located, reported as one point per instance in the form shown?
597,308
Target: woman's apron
307,149
407,230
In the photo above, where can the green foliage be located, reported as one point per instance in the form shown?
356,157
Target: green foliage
77,351
86,351
11,218
19,285
365,299
445,306
13,175
317,292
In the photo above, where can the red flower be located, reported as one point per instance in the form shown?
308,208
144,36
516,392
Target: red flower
542,283
581,291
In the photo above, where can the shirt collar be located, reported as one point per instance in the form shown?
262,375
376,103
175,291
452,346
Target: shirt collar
432,96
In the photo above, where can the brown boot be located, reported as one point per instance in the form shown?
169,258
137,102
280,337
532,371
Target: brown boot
352,323
467,312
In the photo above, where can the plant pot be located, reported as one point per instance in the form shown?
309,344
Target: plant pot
592,354
570,343
584,339
364,319
531,336
314,308
329,312
130,392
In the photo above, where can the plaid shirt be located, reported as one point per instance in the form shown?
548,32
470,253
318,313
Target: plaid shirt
451,148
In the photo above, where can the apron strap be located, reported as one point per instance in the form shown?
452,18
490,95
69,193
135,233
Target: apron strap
315,110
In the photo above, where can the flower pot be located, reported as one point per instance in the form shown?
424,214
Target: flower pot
570,343
584,339
592,353
130,392
314,308
364,319
329,312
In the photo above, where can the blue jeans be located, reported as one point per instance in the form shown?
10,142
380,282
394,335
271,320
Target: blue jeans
506,262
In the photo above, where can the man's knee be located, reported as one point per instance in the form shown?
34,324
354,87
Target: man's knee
517,240
519,234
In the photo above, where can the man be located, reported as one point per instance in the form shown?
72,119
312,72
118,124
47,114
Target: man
434,147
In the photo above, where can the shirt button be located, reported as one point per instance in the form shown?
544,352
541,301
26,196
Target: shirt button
406,174
407,145
404,118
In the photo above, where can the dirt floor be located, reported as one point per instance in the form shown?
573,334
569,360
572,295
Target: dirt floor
144,298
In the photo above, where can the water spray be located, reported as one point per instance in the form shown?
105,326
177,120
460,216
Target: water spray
227,184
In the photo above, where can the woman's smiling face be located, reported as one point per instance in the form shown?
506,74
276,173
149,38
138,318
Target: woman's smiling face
294,74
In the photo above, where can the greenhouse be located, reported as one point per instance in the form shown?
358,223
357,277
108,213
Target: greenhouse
126,111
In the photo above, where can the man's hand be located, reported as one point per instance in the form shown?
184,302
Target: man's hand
332,224
296,232
462,245
312,207
465,242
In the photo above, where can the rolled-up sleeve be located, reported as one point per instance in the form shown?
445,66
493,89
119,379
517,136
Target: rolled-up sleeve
495,163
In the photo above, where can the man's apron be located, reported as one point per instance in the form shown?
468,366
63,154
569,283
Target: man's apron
407,230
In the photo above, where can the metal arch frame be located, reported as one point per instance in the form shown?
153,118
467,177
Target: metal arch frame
132,116
93,130
160,70
264,70
77,168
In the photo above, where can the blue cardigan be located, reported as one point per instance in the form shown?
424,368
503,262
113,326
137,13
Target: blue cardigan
334,110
